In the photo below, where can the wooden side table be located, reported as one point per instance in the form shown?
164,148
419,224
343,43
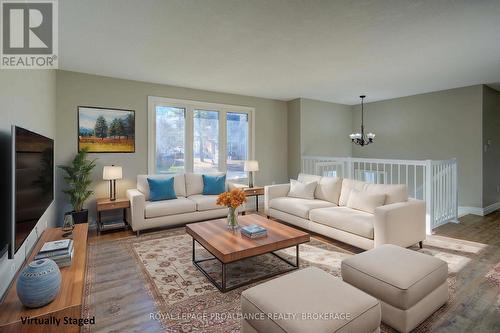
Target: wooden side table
68,302
103,205
254,192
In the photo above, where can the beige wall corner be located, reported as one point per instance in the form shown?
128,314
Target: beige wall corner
491,148
293,121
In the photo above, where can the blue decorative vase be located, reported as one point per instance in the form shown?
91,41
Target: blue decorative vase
39,283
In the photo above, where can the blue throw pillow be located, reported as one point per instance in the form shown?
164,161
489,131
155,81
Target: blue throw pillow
161,189
214,184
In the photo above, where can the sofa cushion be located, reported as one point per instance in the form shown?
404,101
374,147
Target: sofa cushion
214,185
394,193
345,219
297,206
395,275
347,186
179,184
308,293
169,207
205,202
328,189
161,189
367,202
302,190
194,182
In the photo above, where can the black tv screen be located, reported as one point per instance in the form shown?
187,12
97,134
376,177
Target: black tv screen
33,181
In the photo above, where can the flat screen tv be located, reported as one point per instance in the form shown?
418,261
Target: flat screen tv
32,182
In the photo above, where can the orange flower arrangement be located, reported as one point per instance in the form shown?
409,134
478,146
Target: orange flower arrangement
232,199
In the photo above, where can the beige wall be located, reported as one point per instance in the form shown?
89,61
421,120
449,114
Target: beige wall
438,125
316,128
293,138
491,146
323,128
27,99
75,89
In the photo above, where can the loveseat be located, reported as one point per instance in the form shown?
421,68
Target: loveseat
190,206
396,219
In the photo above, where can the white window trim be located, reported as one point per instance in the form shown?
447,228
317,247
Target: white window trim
189,106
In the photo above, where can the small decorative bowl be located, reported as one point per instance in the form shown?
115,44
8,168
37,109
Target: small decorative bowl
39,283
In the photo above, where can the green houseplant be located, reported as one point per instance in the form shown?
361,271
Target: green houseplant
78,177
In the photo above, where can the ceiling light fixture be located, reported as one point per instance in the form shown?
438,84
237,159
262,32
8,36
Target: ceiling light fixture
361,139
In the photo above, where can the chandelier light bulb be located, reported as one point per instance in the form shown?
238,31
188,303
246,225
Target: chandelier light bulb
360,138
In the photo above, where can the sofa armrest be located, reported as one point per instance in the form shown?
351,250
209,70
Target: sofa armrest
274,191
401,223
137,206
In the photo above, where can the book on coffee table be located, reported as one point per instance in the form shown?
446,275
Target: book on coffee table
254,231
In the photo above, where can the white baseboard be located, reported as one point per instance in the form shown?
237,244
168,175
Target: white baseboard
491,208
464,210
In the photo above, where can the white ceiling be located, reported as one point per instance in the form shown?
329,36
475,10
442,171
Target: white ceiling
284,49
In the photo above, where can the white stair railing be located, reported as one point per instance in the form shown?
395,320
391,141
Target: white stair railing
433,181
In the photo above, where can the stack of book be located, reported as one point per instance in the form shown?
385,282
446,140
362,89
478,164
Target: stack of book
254,231
61,251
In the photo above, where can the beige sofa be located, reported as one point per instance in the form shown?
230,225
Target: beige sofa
399,221
190,206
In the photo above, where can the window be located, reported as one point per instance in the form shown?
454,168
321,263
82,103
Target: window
170,129
206,141
237,144
189,136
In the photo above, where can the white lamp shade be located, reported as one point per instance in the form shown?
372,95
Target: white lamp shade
251,165
111,172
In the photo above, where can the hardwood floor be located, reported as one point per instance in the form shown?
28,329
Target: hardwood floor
477,305
481,229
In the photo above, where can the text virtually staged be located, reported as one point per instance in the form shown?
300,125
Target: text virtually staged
249,166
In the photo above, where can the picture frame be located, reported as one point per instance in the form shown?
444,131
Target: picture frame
105,130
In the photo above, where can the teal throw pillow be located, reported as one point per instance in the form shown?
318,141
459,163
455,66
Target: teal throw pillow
214,184
161,189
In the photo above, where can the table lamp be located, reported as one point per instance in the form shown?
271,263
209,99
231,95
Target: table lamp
251,166
112,173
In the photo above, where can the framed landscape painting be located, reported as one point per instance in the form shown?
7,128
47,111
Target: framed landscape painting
106,130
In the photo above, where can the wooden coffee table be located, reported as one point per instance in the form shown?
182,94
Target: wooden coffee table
228,246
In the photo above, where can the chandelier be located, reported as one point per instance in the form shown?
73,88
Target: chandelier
360,138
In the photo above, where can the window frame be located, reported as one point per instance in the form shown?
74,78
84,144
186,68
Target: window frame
190,106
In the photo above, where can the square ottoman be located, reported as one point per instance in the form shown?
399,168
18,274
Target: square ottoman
309,300
409,285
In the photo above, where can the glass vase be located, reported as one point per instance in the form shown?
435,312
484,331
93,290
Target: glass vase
232,219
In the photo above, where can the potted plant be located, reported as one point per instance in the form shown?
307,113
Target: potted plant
78,178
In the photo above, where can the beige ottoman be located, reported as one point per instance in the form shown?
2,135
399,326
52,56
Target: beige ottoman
409,285
309,300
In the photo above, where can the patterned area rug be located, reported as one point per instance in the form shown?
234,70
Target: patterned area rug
187,302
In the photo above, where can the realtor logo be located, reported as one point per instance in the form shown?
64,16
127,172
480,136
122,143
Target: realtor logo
29,34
